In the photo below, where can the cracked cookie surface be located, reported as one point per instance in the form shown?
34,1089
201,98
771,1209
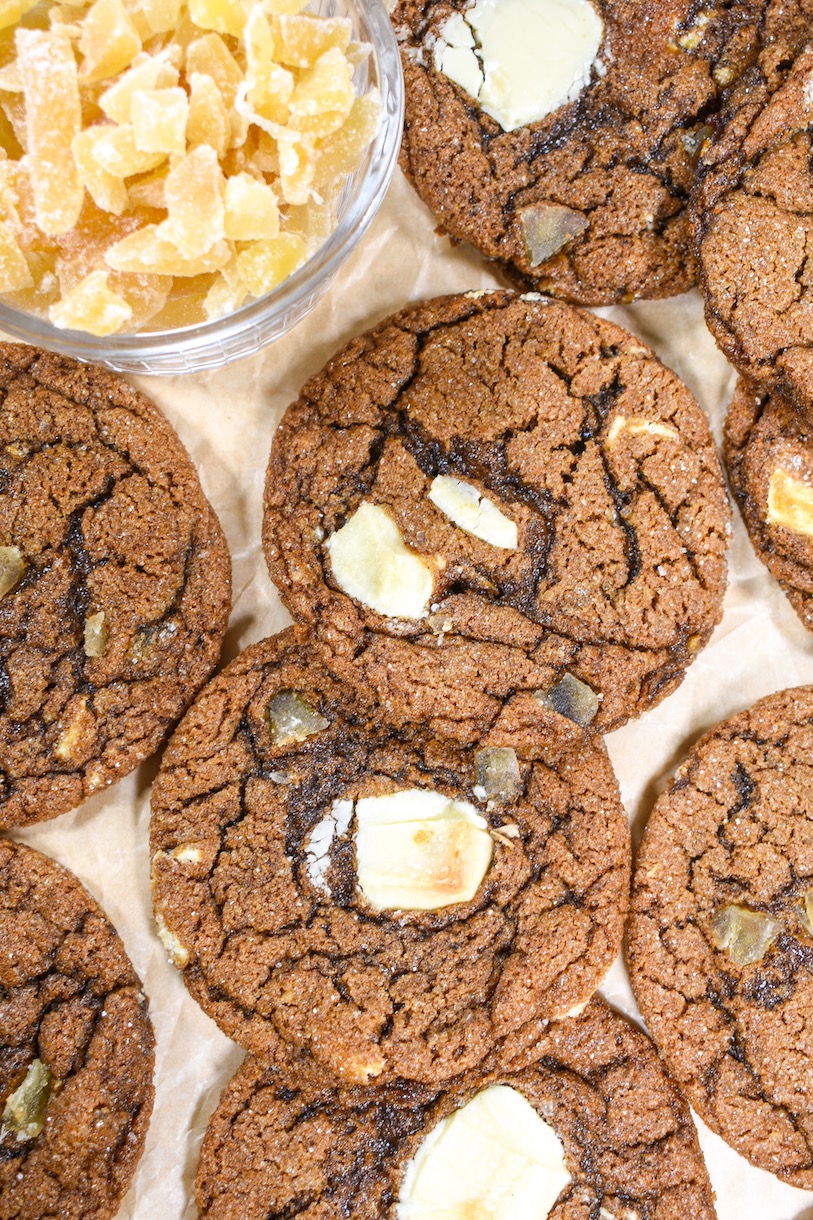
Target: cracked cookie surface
257,893
720,947
70,1002
754,214
614,166
117,581
284,1137
768,452
577,434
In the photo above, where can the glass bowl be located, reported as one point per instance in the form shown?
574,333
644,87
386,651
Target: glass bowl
210,345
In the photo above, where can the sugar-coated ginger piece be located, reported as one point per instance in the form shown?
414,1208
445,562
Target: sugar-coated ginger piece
11,11
53,118
148,251
323,96
91,306
265,264
152,17
107,191
109,41
208,118
194,193
147,72
114,148
210,55
297,166
300,40
14,270
223,16
340,153
159,120
251,209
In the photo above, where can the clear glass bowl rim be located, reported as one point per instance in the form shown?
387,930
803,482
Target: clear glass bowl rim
288,303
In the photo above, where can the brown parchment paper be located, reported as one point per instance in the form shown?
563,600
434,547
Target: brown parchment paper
226,420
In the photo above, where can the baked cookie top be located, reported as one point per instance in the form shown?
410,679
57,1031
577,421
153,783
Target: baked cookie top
394,906
591,1121
492,493
720,940
587,201
77,1048
114,581
753,211
768,452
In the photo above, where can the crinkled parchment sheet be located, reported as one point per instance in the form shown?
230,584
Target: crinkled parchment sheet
226,420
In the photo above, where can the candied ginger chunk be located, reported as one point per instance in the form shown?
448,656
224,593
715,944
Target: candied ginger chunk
211,56
109,40
148,72
105,189
14,271
251,209
11,11
264,264
53,118
154,16
224,16
147,250
114,149
297,167
226,294
194,195
326,87
208,119
339,154
159,120
91,306
301,39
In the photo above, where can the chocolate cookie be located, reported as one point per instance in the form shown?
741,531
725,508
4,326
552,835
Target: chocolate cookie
76,1048
620,1141
720,943
492,493
768,451
395,907
754,215
114,581
588,200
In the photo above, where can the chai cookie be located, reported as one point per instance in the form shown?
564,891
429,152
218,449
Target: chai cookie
77,1048
492,493
768,452
114,581
720,942
589,1125
560,137
394,906
753,215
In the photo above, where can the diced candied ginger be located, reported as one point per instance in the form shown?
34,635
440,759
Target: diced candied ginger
265,264
148,72
211,56
270,85
153,16
297,167
194,196
147,251
159,120
251,209
208,119
227,293
106,190
14,272
340,153
114,148
91,306
149,191
53,118
224,16
323,96
300,40
145,294
284,6
12,10
109,40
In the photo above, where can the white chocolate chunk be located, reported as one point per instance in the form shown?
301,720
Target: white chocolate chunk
473,512
177,952
419,850
636,425
790,502
526,58
372,564
493,1159
320,840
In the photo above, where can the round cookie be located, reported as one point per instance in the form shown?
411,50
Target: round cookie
291,922
114,581
283,1136
753,214
589,202
77,1049
511,414
720,945
768,452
